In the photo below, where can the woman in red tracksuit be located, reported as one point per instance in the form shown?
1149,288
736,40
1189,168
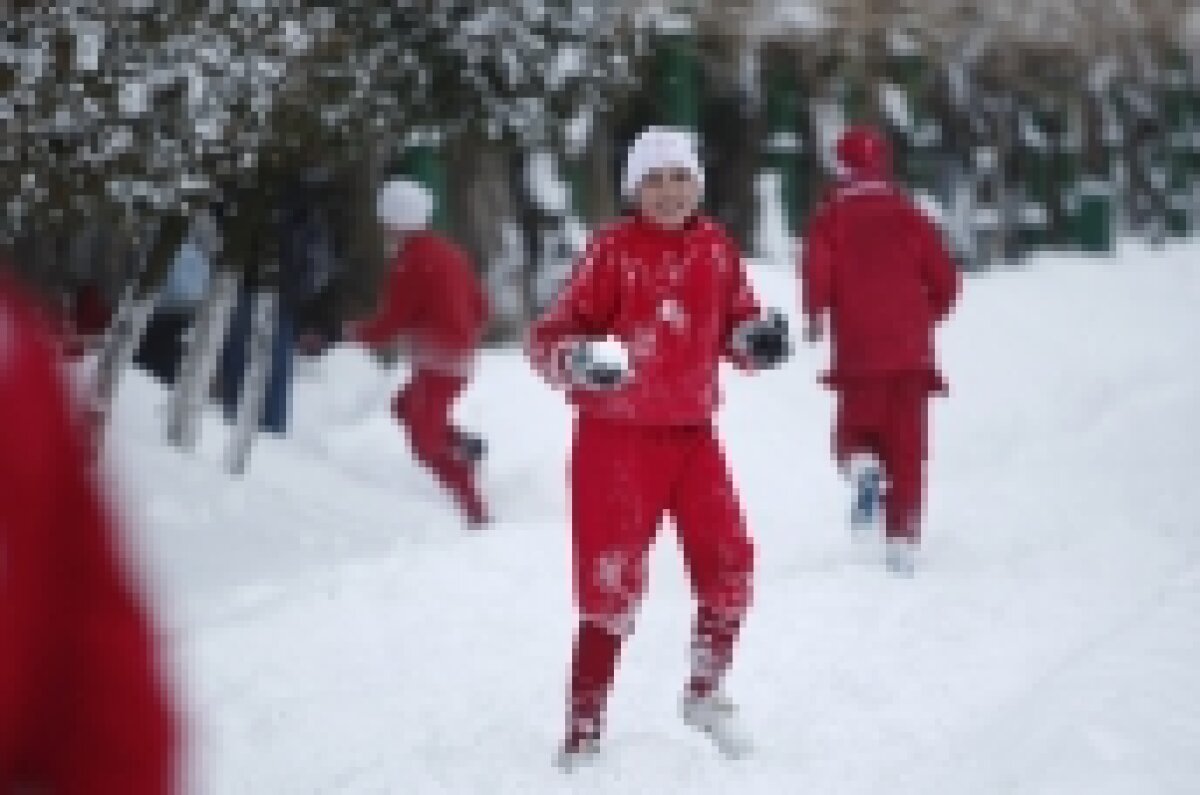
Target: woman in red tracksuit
83,708
880,270
433,302
669,287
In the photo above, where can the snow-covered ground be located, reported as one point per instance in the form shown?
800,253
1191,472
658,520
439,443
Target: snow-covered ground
336,631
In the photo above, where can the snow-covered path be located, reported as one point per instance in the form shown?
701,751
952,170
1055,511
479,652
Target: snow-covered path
336,632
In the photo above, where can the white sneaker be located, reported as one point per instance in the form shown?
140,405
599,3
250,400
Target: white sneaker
860,464
900,557
569,759
716,716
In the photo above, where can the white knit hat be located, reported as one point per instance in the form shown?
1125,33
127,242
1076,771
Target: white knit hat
404,204
660,147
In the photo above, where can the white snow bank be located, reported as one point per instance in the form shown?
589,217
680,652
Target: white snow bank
337,631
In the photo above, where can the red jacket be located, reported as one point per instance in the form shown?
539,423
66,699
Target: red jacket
673,297
880,268
82,706
434,299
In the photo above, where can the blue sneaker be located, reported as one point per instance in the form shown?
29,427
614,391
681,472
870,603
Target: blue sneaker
867,505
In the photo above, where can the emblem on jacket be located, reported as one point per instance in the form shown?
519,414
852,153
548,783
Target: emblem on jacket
671,312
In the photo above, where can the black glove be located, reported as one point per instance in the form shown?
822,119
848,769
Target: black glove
587,367
764,341
469,447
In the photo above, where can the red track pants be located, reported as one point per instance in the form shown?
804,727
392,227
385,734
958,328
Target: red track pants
887,416
624,479
423,407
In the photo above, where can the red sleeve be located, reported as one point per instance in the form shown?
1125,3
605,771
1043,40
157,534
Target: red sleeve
584,308
741,304
100,717
941,276
120,731
816,271
398,311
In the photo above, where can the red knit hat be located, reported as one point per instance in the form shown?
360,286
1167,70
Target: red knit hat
864,154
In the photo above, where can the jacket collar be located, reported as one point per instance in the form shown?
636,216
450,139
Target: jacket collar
649,227
863,187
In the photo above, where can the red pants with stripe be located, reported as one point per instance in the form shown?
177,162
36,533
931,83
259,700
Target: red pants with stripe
887,417
423,407
624,479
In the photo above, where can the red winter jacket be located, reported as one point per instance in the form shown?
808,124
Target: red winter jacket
434,299
673,297
82,707
881,270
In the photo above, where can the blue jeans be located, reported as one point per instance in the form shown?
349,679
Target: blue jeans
279,377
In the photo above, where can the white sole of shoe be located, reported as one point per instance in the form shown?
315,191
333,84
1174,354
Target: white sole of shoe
571,761
729,742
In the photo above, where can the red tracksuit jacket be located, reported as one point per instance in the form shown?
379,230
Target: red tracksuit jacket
673,297
433,297
82,707
881,269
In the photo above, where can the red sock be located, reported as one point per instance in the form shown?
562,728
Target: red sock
592,670
461,483
713,637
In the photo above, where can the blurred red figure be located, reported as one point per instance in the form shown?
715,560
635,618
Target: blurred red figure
434,305
636,337
880,270
83,709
